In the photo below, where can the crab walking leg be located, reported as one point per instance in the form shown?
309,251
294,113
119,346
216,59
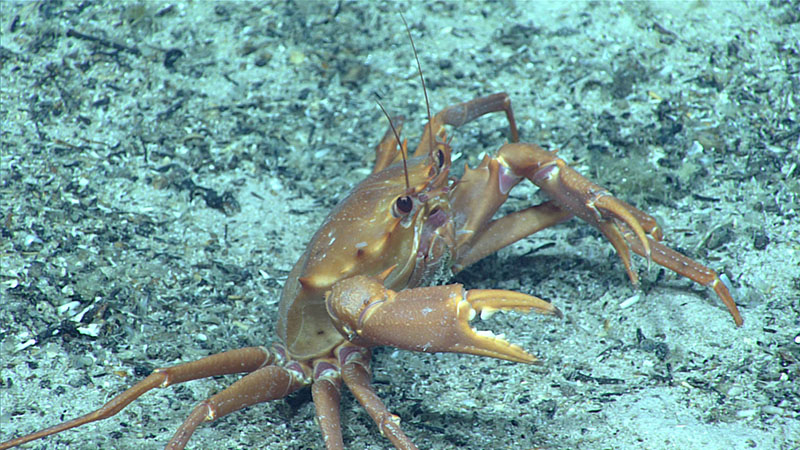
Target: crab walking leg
465,112
647,222
234,361
357,378
325,392
482,190
683,265
479,194
429,319
508,229
265,384
626,227
571,191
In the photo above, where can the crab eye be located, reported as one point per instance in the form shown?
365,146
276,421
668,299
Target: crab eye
440,158
402,206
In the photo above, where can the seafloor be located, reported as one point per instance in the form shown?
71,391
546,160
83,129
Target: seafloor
130,133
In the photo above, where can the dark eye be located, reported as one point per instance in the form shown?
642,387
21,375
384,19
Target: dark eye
403,206
440,156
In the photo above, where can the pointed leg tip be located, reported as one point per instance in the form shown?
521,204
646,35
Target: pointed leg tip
643,240
721,289
632,276
734,311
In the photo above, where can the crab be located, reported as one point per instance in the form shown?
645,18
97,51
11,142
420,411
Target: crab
369,277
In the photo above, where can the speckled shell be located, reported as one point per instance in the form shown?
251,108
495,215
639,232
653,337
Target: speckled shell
361,236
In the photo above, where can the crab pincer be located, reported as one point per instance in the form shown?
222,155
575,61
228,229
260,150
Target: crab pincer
428,319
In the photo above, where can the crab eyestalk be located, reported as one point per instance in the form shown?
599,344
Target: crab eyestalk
430,319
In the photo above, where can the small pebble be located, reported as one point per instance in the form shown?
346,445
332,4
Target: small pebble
25,345
772,410
93,329
297,57
760,241
31,239
734,391
69,307
747,413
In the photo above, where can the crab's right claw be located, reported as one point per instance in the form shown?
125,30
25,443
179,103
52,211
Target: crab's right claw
429,319
625,226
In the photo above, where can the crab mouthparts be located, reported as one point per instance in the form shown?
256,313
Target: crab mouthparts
436,219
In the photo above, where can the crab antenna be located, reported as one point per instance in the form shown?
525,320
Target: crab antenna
422,79
402,147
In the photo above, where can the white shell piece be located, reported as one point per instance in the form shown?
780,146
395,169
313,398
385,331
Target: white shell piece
93,329
629,301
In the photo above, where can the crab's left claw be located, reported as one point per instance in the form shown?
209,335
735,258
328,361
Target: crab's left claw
592,203
429,319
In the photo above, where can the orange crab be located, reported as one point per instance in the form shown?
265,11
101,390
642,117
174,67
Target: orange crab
358,284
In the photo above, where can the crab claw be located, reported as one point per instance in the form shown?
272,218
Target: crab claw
430,319
592,203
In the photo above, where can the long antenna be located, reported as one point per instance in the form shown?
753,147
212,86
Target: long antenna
419,69
402,147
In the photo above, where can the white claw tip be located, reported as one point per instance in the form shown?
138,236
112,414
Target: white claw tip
488,312
485,333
